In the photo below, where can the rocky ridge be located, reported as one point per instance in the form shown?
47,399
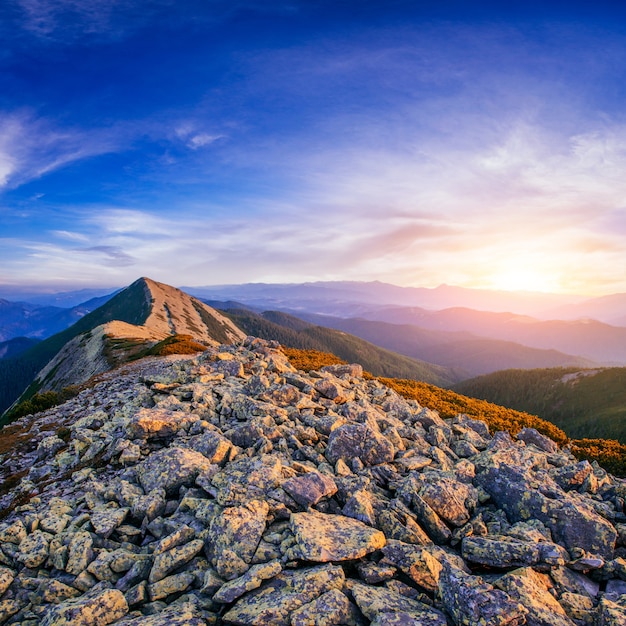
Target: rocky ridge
229,488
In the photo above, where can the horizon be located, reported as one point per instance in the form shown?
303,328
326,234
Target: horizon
50,289
417,144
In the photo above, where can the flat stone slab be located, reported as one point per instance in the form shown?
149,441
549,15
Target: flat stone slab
322,538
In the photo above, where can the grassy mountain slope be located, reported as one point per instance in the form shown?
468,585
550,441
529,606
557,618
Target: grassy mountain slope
295,333
584,403
467,354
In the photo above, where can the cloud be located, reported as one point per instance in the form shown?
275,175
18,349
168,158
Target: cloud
32,146
67,20
114,255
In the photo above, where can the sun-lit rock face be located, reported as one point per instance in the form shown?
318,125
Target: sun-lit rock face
229,488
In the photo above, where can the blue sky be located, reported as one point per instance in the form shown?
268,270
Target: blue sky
419,143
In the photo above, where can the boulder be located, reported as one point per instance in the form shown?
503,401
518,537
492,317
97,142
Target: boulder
531,589
275,601
359,441
98,607
170,469
470,600
321,538
310,488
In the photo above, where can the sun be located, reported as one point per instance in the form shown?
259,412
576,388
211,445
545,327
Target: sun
524,280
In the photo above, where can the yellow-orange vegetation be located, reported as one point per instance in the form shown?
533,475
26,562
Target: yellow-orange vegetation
176,344
307,360
449,404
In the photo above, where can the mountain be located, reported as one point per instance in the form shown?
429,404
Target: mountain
25,319
350,298
293,332
610,309
583,402
589,339
467,355
231,488
63,299
138,316
14,347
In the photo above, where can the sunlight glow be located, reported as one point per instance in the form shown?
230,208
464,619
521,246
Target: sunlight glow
525,280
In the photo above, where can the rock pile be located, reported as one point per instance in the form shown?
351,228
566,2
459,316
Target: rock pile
230,488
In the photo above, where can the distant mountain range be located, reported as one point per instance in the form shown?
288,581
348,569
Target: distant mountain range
24,319
464,353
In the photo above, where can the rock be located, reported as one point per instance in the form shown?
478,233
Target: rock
170,585
80,553
500,552
578,608
359,441
179,537
167,562
530,589
7,609
213,446
431,522
252,579
106,520
448,497
347,370
170,469
310,488
234,536
157,423
506,476
470,600
532,436
237,490
323,538
330,609
611,613
246,479
275,601
34,549
98,607
149,506
7,576
13,533
54,591
383,604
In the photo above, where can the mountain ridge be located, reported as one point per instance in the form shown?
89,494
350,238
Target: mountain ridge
145,313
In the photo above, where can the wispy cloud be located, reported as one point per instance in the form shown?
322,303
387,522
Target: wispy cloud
31,146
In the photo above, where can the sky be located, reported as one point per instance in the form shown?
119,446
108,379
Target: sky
203,142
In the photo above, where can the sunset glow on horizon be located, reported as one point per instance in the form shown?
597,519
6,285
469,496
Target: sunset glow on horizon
200,143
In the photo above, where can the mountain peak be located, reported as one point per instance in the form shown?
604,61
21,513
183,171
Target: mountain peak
144,313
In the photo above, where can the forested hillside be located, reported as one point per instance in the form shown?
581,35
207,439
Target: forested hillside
584,403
